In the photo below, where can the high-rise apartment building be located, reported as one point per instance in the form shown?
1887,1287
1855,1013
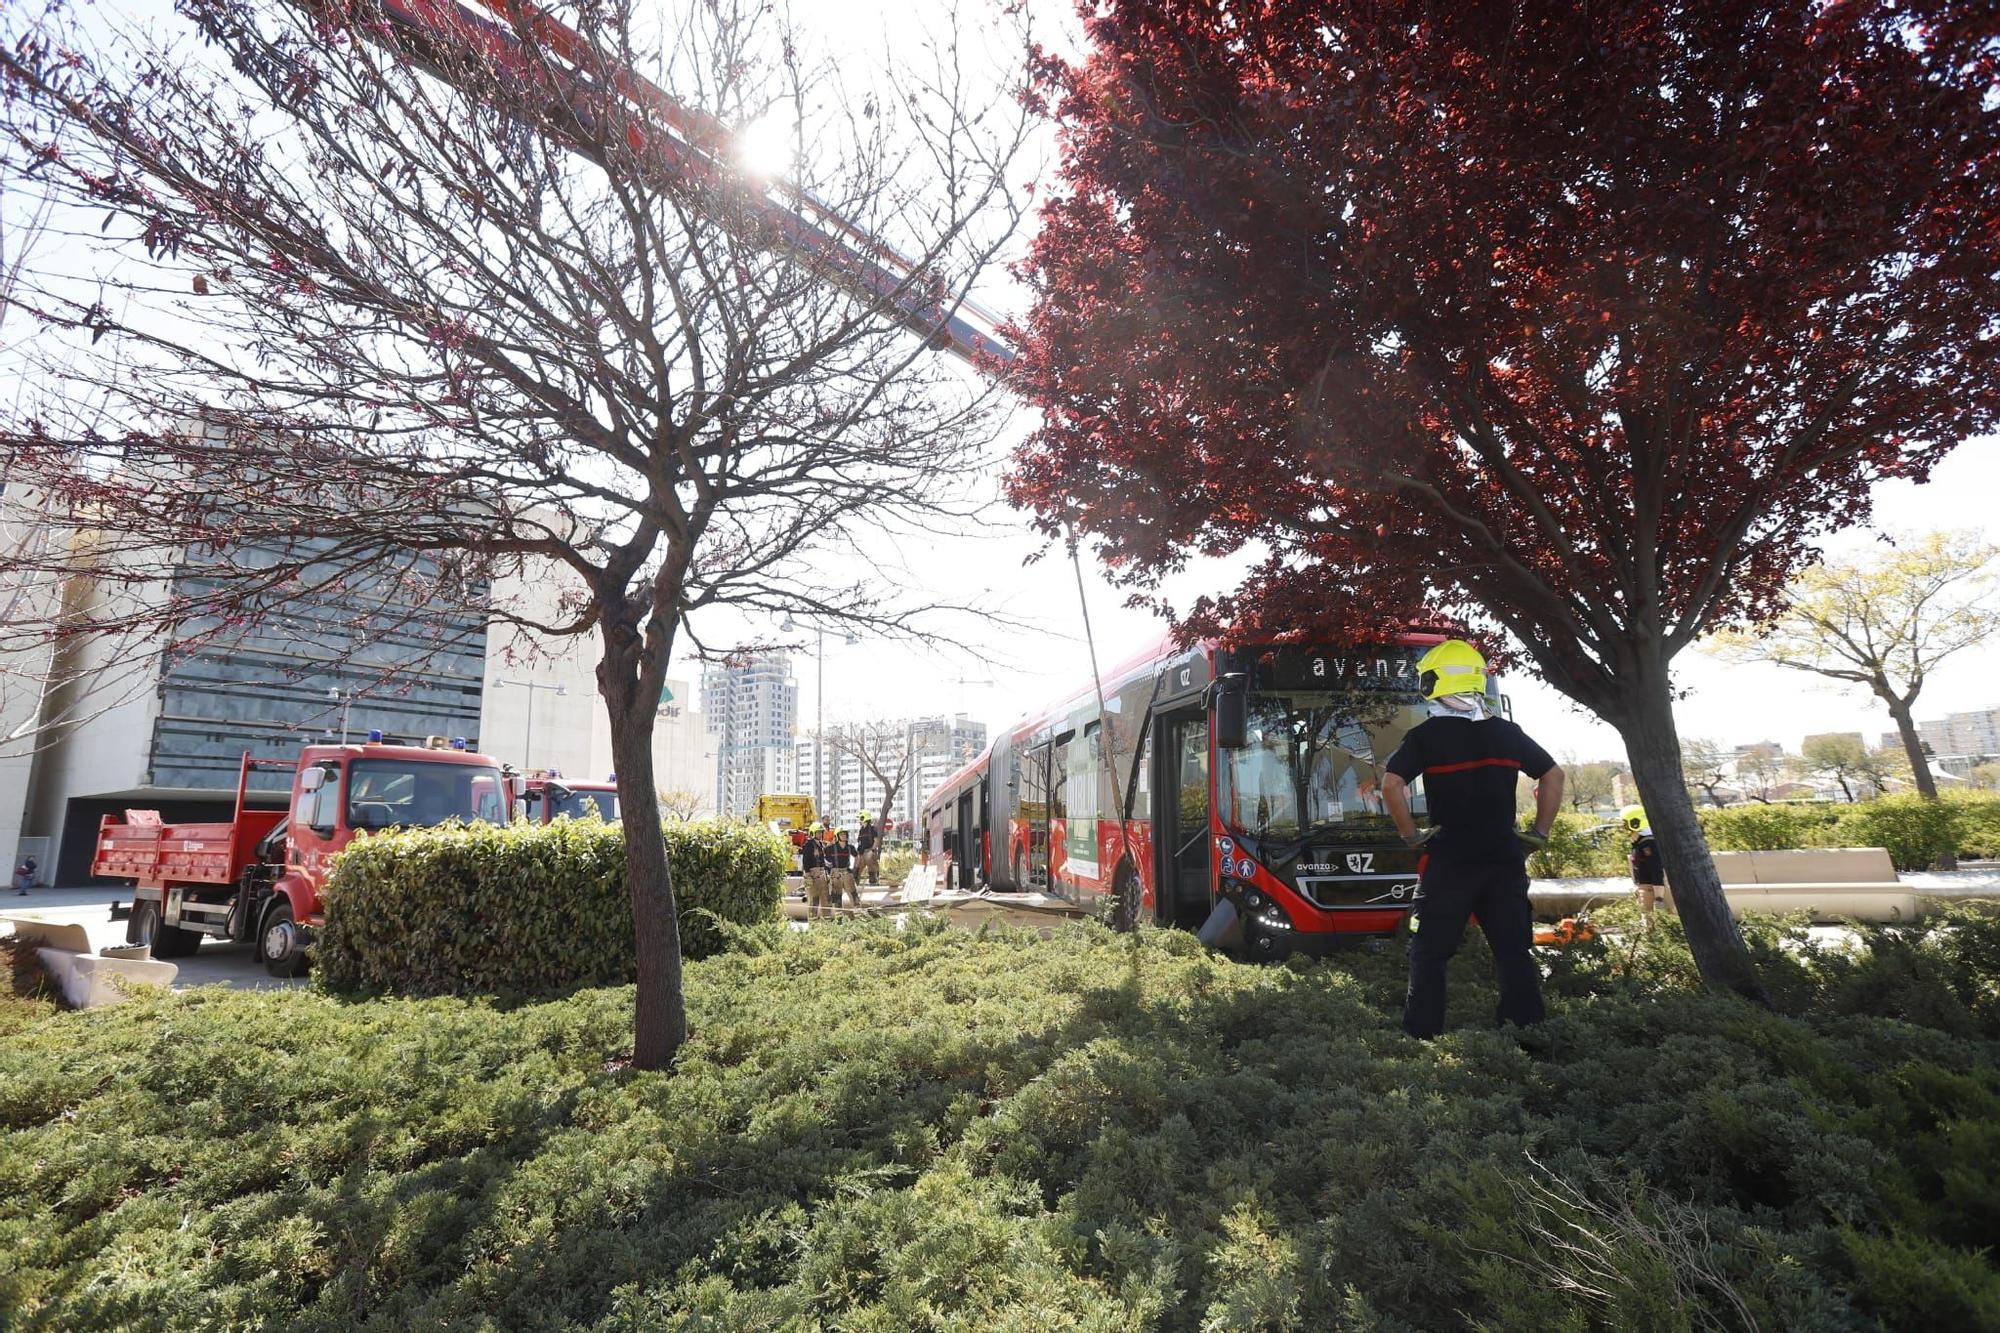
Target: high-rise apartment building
752,707
1970,735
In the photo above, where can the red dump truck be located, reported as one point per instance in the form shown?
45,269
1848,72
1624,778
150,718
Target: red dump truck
259,875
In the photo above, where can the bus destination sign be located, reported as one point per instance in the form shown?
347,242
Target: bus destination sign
1357,669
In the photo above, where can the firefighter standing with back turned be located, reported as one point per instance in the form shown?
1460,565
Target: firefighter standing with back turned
1475,859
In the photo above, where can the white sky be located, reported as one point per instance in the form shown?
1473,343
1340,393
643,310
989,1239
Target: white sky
997,673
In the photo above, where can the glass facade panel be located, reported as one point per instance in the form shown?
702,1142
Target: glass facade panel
414,666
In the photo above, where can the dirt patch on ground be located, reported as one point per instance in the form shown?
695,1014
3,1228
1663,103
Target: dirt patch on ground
27,993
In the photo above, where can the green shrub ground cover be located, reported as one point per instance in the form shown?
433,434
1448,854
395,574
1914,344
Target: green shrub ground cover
527,909
874,1129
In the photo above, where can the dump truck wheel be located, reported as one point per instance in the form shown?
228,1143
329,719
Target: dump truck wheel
146,927
278,943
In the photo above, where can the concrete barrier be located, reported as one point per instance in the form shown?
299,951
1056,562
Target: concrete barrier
85,979
1853,882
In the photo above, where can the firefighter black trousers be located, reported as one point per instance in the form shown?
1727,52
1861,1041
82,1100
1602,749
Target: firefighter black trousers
1498,894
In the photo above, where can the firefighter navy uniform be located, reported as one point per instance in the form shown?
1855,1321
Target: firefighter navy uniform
1475,862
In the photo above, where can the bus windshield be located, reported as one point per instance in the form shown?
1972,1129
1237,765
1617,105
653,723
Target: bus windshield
391,793
1312,765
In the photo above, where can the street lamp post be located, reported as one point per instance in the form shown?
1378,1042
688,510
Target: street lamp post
819,709
528,742
345,698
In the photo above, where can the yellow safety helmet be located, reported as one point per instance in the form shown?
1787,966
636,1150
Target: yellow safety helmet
1633,817
814,827
1453,667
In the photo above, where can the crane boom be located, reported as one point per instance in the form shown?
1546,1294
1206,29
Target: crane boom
681,144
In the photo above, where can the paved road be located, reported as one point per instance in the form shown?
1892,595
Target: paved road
214,964
236,965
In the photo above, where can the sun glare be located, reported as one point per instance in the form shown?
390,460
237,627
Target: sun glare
764,146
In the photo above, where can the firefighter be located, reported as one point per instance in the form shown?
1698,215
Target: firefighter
840,865
868,851
1649,874
1475,858
812,860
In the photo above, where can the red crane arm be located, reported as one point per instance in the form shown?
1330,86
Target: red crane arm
681,144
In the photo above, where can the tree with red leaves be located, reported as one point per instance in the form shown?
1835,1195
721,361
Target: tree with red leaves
1572,324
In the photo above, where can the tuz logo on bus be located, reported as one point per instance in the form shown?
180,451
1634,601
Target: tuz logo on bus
1361,863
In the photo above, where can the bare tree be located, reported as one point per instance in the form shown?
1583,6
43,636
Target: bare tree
883,750
475,301
1706,766
1843,758
1761,771
1588,785
678,805
1885,624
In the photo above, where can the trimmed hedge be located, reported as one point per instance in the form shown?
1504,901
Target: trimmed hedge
881,1129
527,909
1575,850
1915,831
1979,826
1770,828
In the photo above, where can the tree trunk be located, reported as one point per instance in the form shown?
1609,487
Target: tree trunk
1845,790
1920,765
1653,746
659,1017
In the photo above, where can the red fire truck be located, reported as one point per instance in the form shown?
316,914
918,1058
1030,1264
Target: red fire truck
551,796
259,875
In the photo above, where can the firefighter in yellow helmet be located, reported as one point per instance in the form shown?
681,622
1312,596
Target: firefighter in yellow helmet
1649,874
1474,858
812,860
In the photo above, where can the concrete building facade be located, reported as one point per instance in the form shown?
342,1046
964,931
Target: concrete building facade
1973,735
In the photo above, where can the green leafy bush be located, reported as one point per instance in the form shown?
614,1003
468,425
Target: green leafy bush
1916,832
925,1128
1757,827
1978,826
527,909
1575,849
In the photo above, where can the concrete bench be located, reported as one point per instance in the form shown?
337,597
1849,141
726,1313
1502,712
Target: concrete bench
87,979
1858,882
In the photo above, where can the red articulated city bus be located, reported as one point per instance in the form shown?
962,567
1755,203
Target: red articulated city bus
1240,773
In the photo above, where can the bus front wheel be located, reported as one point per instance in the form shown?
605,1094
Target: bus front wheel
1126,891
